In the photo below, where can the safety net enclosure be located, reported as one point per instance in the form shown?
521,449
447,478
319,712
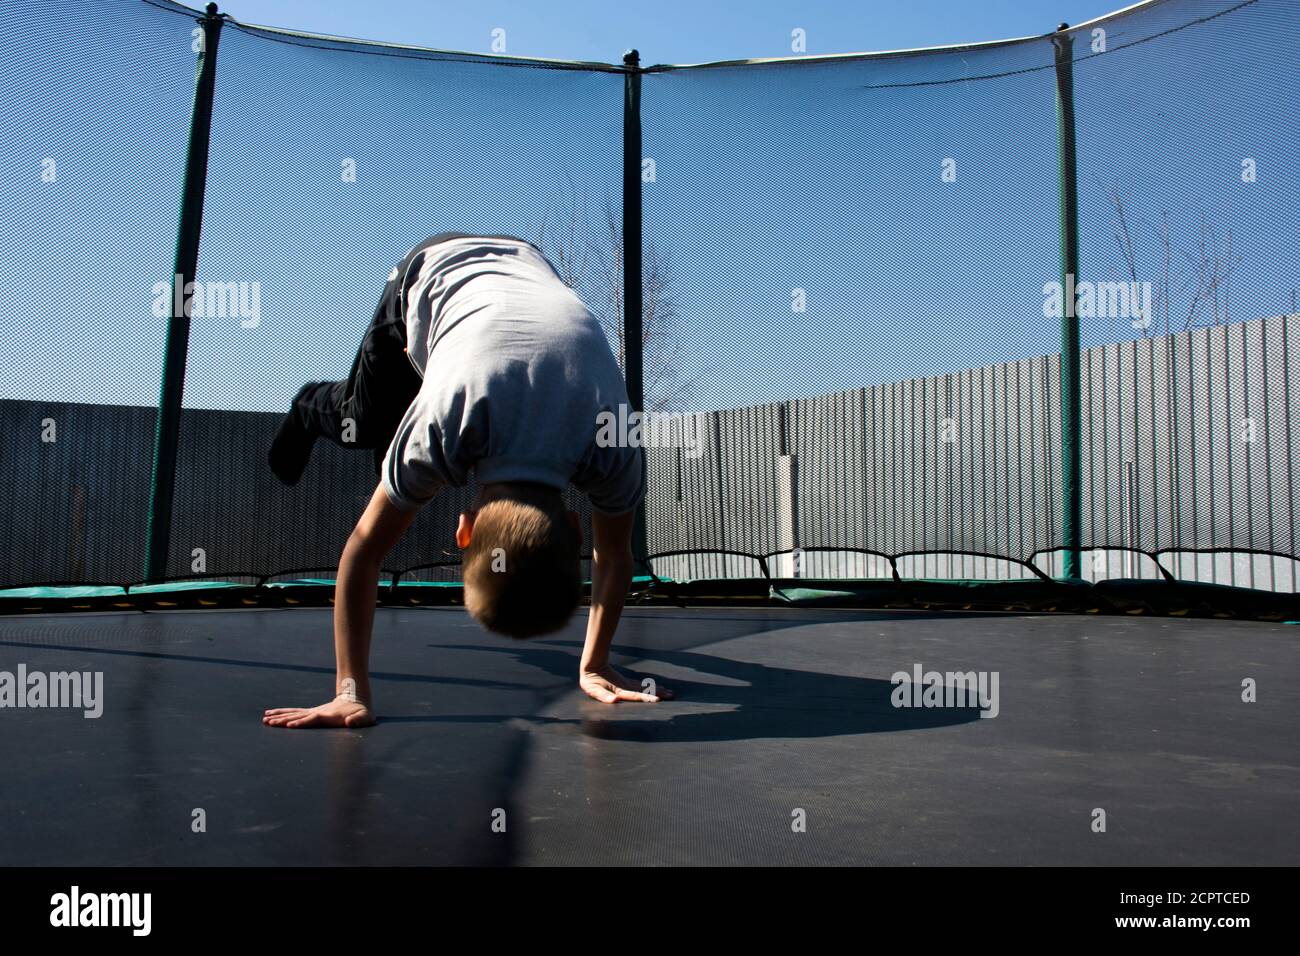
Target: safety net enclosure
1020,314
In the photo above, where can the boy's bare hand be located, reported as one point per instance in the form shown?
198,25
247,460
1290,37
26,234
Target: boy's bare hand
608,686
337,713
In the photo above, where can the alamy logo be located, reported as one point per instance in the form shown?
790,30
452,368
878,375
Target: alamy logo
76,690
1099,300
74,908
629,429
209,300
953,689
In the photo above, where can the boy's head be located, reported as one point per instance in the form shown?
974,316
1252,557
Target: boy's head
521,560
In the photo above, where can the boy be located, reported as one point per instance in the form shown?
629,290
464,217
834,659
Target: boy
478,356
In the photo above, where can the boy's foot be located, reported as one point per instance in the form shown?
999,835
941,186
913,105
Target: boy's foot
291,448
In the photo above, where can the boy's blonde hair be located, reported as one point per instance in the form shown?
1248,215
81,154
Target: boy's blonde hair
521,567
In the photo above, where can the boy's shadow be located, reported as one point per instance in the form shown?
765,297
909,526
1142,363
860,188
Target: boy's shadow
760,700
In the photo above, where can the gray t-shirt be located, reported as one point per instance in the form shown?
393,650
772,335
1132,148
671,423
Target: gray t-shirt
515,372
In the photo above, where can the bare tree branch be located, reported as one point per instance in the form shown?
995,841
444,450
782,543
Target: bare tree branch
591,260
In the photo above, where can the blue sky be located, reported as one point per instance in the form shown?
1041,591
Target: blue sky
823,178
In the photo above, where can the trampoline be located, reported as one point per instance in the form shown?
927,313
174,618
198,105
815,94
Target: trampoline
779,711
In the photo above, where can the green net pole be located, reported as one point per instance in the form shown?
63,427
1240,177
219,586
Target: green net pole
633,338
167,434
1071,416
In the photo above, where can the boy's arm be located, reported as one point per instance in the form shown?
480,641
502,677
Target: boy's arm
376,533
611,574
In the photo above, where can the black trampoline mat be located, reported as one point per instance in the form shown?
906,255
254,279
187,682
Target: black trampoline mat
782,715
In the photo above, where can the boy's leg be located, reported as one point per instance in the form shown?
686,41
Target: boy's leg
363,410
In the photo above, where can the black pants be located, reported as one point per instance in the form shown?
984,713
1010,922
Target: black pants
383,382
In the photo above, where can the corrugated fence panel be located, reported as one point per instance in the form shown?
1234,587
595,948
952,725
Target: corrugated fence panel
828,439
77,477
1189,441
